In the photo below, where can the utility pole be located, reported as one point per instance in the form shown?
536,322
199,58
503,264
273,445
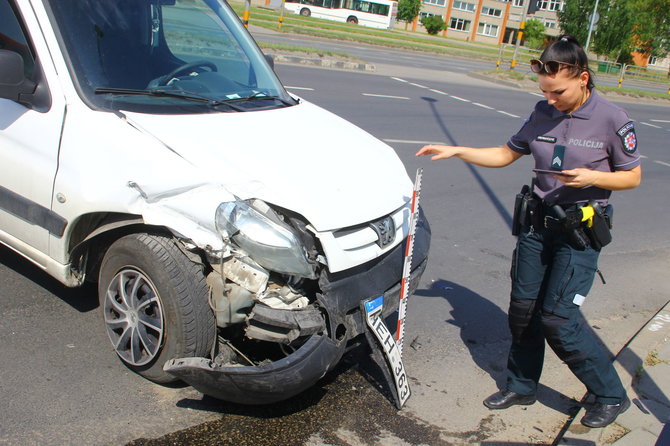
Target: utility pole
592,22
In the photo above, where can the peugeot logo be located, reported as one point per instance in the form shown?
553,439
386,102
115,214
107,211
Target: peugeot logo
385,229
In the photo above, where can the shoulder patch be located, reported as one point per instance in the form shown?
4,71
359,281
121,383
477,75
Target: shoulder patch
628,137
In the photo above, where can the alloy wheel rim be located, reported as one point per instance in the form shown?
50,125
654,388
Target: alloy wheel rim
134,317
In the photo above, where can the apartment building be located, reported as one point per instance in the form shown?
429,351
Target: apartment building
488,21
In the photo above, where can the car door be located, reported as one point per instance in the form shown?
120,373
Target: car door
29,141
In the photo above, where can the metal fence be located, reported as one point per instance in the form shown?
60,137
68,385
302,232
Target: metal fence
646,78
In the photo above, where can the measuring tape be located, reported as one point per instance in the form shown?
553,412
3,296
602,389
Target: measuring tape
407,263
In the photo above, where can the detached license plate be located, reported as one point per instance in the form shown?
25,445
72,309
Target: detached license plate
373,316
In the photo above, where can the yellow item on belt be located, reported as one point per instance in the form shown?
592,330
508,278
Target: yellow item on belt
587,214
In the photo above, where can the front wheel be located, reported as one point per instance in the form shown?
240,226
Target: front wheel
353,20
154,302
305,12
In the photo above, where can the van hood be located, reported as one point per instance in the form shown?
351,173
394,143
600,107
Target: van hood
302,158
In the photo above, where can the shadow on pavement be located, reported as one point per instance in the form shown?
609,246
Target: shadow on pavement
495,201
651,399
82,299
484,330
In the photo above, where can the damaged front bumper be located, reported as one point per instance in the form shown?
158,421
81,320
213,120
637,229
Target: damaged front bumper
261,384
339,301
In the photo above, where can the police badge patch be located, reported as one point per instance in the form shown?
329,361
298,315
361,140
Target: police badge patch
628,137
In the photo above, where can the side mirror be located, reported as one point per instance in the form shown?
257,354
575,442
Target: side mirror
13,83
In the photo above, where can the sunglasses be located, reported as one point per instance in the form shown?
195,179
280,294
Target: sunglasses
550,66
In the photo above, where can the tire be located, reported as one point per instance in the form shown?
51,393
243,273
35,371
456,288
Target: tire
353,20
168,316
305,12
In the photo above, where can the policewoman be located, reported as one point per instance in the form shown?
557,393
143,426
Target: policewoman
584,147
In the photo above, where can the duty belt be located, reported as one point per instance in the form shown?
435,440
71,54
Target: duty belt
554,217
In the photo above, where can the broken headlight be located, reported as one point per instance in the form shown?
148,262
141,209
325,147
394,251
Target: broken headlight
259,232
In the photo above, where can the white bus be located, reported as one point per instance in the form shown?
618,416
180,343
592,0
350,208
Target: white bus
372,13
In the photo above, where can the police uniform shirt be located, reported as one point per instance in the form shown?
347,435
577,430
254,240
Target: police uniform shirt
599,135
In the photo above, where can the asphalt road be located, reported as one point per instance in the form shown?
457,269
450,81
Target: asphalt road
61,383
419,60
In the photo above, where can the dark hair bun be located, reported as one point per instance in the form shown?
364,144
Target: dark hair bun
567,38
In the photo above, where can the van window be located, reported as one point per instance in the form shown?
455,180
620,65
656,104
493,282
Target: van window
13,38
164,56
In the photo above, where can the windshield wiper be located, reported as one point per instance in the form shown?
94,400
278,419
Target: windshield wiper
181,94
260,96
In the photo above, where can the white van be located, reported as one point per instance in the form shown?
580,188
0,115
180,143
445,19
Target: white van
146,145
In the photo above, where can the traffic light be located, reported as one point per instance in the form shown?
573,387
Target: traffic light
533,6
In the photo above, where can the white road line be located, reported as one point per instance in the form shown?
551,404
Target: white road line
384,96
406,141
644,156
659,120
662,163
508,114
483,106
537,94
651,125
298,88
418,85
460,99
439,92
398,79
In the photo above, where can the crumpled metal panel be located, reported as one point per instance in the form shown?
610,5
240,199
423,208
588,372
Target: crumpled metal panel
283,326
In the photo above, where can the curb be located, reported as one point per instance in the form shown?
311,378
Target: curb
495,80
636,422
323,63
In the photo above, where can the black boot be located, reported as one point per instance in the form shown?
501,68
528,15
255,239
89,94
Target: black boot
600,415
507,398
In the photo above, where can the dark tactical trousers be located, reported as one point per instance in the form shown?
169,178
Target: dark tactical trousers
547,274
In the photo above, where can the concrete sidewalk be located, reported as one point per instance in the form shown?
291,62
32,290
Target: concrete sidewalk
644,367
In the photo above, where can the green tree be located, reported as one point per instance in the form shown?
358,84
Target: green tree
408,10
651,26
613,36
533,34
574,19
433,24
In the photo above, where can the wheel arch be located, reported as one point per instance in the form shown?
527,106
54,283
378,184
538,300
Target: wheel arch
92,235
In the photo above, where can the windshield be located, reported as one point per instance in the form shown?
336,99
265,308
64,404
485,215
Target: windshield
165,56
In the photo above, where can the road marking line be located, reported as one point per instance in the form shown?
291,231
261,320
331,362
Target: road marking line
662,163
384,96
644,156
398,79
659,120
537,94
298,88
483,106
508,114
405,141
460,99
418,85
439,92
651,125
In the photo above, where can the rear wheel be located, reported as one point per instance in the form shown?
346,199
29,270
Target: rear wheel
305,12
154,302
353,20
